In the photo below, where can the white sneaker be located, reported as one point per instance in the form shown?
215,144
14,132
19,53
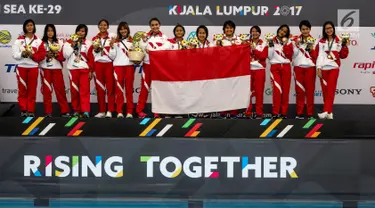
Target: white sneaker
129,115
330,116
100,115
167,116
108,115
178,117
120,115
323,115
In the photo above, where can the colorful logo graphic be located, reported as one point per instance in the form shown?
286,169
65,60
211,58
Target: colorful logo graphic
209,166
5,37
74,166
373,35
372,91
150,130
33,128
272,130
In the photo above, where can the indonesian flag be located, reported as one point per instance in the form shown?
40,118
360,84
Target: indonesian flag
200,80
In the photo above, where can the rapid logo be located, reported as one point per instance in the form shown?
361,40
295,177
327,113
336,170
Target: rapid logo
74,166
207,167
366,67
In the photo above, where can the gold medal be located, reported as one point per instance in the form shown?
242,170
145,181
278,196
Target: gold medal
329,56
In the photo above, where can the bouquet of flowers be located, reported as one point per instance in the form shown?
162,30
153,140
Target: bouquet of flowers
184,44
269,38
136,54
344,37
54,49
74,37
218,38
244,37
311,40
194,42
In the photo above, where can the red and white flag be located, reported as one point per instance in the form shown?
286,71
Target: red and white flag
200,80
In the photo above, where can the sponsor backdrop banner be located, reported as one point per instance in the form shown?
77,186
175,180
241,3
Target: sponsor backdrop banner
82,167
357,76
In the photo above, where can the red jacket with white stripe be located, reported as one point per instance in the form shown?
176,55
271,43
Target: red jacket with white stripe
174,44
98,57
337,52
260,54
301,57
206,44
39,52
56,63
280,54
154,43
70,56
120,54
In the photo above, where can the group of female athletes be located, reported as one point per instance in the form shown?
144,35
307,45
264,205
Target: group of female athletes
109,64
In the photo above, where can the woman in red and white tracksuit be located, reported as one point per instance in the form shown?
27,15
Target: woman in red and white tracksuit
179,33
280,52
202,35
229,39
28,50
80,71
259,54
176,44
123,70
51,73
103,68
304,71
331,50
153,41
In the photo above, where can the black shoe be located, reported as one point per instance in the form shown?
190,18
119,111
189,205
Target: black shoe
283,117
30,114
48,115
276,116
300,117
23,114
65,115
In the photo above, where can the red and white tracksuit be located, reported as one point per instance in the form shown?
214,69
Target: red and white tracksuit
79,67
123,74
258,77
304,76
174,44
280,57
27,70
52,80
153,43
206,44
330,69
234,40
104,79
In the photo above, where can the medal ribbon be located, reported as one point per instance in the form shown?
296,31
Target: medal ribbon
330,46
